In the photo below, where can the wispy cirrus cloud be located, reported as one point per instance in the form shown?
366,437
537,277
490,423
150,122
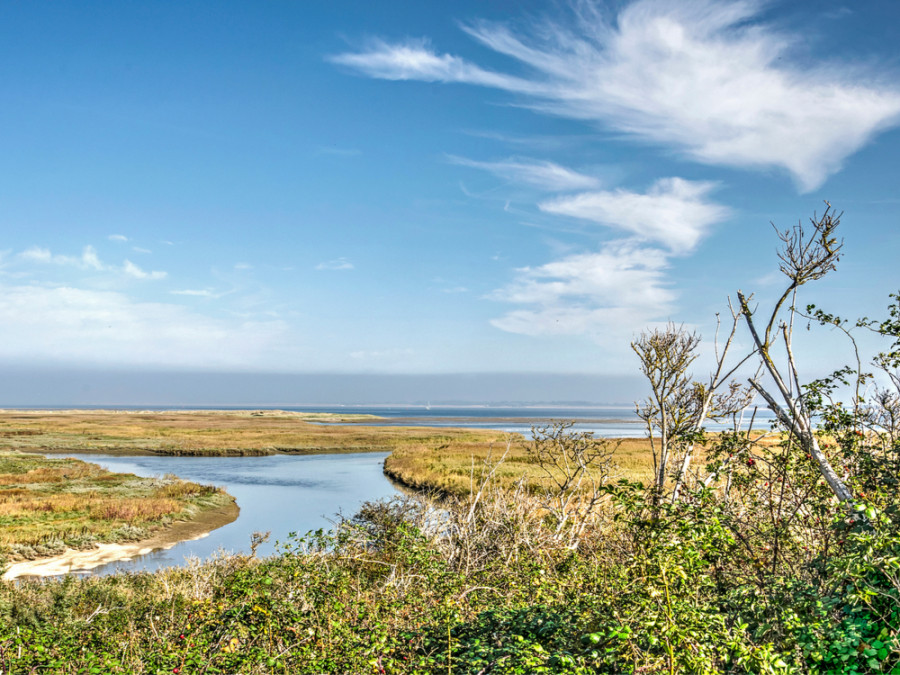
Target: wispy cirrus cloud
132,270
414,60
335,265
540,174
673,212
88,261
709,79
195,292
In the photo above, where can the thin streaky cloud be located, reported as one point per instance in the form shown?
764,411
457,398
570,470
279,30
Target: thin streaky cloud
708,79
414,60
540,174
200,293
336,264
88,261
117,237
132,270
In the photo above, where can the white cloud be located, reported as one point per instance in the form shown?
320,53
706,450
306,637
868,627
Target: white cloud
620,288
91,260
200,293
88,261
336,264
706,78
37,254
65,324
117,237
414,60
540,174
138,249
242,266
674,212
132,270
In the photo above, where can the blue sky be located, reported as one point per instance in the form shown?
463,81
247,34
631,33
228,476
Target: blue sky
424,188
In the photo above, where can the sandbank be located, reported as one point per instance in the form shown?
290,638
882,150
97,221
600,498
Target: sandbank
74,560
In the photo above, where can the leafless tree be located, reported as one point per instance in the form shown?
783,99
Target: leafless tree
577,466
677,407
805,256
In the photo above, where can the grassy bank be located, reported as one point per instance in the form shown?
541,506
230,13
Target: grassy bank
453,468
219,433
48,504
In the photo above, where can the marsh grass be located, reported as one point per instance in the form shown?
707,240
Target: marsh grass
450,468
216,433
48,503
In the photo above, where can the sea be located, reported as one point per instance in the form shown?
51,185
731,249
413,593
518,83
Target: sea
611,421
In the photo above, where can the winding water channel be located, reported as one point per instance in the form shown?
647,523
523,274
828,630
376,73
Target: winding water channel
278,493
282,494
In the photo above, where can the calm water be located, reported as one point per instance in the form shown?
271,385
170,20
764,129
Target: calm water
284,493
608,421
279,493
611,421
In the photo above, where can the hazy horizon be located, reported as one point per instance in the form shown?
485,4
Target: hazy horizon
23,388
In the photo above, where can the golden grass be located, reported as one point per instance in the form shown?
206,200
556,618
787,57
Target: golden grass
453,468
65,501
212,433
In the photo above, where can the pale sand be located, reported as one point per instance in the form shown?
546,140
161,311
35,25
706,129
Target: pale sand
79,561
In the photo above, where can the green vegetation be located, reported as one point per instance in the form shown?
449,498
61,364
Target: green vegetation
49,504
